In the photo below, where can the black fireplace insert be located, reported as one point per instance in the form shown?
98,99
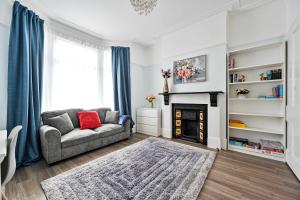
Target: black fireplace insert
189,122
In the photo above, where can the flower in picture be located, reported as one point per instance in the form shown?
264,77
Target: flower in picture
189,70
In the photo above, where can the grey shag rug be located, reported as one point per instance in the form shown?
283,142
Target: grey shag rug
153,169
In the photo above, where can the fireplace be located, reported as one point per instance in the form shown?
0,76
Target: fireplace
189,122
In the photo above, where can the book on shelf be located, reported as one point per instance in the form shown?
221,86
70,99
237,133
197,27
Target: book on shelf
235,143
280,90
237,123
230,62
241,140
253,145
272,146
271,74
231,78
277,93
234,78
267,97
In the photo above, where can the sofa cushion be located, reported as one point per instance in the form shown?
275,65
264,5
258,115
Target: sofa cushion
71,113
109,129
112,117
61,122
88,119
78,136
101,112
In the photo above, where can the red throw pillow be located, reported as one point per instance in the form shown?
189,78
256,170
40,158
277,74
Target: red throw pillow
88,119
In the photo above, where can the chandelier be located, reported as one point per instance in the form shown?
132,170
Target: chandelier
143,7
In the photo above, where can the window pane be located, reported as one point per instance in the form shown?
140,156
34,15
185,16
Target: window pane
108,97
75,76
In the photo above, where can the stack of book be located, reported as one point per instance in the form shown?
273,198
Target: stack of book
243,143
238,141
272,74
272,147
237,123
277,92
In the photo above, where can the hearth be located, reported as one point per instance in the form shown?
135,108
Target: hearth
189,122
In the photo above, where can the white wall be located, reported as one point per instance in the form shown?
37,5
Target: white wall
5,16
207,37
140,78
293,11
262,23
4,34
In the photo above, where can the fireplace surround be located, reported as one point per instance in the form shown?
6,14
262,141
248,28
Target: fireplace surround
189,122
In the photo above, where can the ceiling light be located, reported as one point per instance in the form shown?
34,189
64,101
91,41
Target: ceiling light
143,7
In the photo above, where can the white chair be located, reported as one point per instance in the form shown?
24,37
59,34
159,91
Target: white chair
8,166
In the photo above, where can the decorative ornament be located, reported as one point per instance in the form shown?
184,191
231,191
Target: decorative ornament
166,74
242,93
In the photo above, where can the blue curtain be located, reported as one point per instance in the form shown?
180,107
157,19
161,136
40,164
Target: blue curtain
121,79
25,67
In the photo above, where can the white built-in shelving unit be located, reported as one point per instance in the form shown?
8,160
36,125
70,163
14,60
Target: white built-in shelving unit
264,118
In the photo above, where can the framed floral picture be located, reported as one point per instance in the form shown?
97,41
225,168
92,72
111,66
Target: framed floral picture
190,70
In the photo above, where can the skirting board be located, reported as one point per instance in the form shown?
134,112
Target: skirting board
224,144
167,133
134,129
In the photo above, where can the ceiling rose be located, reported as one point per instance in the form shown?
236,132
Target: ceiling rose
143,7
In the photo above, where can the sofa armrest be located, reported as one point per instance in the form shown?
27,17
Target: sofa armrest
126,120
51,143
123,119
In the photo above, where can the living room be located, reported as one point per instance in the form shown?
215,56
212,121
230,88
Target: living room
149,99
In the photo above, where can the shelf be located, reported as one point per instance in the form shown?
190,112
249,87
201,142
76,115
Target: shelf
256,99
253,67
277,132
252,48
256,152
258,114
257,82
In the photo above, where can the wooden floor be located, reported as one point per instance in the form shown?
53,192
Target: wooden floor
233,176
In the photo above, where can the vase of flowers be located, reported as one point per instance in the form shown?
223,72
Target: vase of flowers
242,93
151,99
166,75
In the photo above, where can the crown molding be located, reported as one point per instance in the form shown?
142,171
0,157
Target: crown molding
238,8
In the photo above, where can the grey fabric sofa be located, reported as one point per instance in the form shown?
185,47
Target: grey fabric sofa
56,147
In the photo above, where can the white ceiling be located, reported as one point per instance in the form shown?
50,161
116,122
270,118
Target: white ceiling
117,20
